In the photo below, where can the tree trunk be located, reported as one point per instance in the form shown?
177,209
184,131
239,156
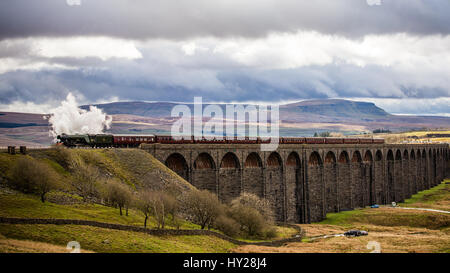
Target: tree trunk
163,220
120,210
43,197
145,221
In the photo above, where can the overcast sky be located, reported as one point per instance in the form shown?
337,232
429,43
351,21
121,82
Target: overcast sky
395,53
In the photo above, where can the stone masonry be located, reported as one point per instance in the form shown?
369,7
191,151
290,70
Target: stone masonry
305,182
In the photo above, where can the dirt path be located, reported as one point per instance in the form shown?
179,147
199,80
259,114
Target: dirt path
432,210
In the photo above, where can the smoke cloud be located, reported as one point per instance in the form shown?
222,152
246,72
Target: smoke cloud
69,119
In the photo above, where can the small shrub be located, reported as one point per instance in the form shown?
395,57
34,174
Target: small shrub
261,205
63,156
251,221
270,232
227,225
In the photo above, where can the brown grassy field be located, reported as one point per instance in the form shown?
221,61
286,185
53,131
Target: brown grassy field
407,137
25,246
395,230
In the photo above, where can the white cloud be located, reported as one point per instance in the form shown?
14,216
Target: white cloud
11,64
81,47
281,66
38,52
292,50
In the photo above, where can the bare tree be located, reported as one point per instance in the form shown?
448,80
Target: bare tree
143,203
158,204
118,194
203,206
32,176
85,178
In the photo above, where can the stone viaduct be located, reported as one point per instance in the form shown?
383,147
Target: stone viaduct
304,182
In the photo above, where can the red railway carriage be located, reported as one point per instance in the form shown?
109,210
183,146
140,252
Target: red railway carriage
174,140
211,140
365,141
315,140
334,140
292,140
243,140
132,140
351,140
378,140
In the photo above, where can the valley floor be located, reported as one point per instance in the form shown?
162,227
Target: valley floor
390,229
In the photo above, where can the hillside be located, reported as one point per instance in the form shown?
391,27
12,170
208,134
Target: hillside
134,167
331,108
334,108
85,183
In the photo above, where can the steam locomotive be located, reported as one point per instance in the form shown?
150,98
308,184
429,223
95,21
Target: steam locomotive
105,140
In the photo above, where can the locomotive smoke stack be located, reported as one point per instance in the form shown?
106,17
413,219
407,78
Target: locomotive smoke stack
69,119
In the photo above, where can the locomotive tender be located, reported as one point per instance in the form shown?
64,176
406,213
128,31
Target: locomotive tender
106,140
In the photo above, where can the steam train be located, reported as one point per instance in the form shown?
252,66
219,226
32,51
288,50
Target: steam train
105,140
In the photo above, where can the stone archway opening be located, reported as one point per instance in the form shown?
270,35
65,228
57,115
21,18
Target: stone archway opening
275,187
252,181
330,179
229,178
178,164
294,188
229,161
344,187
253,161
204,161
368,183
274,160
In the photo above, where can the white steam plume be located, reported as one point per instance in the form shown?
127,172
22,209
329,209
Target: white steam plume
69,119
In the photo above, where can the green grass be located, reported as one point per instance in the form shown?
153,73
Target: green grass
342,218
6,163
106,240
434,197
136,168
29,206
430,196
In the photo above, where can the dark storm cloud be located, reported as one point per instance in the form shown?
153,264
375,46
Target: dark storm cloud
180,19
132,82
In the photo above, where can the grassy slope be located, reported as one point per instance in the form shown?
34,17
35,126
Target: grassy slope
106,240
396,230
28,206
134,167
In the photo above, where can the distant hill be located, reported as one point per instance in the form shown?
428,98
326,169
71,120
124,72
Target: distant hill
332,108
297,119
337,108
